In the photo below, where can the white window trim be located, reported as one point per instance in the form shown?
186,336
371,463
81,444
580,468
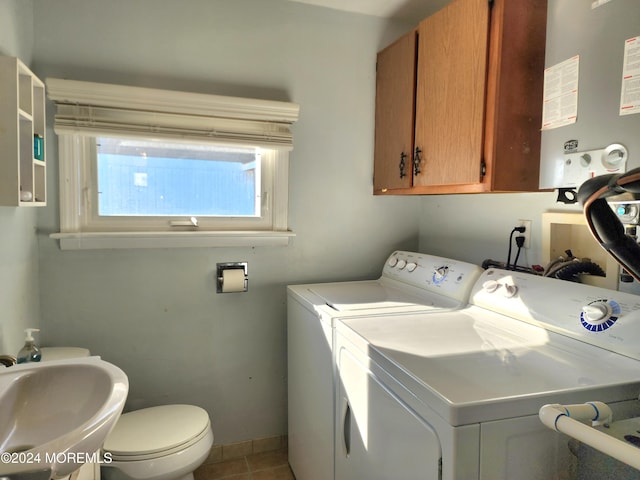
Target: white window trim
87,110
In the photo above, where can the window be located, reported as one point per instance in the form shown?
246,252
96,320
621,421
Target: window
146,168
145,178
154,185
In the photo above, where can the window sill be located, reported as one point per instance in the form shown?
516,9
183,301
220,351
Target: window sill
132,240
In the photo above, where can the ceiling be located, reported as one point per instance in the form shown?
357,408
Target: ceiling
407,10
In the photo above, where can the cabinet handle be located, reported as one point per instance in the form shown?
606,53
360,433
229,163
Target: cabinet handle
417,160
346,429
403,165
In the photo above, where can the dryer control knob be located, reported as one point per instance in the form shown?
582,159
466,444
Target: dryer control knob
596,313
490,286
440,273
411,266
401,264
392,261
509,290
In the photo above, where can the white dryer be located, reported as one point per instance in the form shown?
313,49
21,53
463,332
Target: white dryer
455,395
410,283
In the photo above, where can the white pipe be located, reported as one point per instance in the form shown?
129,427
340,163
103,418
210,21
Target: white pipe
568,419
595,412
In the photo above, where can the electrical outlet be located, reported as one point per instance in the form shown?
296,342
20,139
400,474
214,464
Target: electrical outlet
527,233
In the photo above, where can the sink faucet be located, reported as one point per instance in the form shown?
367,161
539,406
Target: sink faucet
7,360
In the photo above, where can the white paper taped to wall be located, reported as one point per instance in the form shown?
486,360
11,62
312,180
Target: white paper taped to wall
233,280
560,103
630,91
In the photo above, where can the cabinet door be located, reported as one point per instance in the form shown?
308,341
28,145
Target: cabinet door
395,86
450,96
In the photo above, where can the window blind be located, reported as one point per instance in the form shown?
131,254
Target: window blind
98,109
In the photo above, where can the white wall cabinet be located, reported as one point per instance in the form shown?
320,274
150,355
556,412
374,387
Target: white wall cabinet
22,127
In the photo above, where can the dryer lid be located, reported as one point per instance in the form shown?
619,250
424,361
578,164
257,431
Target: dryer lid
156,429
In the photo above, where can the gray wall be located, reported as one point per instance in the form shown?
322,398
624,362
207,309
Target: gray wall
477,227
155,313
598,36
19,299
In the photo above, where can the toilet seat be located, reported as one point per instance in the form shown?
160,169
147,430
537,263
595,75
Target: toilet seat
156,432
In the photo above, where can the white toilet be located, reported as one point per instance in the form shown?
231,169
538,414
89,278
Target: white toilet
158,443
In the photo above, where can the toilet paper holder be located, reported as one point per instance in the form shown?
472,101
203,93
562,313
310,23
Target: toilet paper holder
220,269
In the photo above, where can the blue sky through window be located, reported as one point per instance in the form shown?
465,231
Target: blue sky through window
179,183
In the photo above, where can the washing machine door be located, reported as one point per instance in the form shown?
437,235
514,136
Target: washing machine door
378,437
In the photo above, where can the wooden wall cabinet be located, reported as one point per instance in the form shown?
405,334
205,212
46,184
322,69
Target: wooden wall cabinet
395,114
22,124
459,101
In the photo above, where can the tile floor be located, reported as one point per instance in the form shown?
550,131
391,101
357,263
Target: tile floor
270,465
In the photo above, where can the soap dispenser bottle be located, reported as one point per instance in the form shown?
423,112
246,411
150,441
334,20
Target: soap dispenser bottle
29,352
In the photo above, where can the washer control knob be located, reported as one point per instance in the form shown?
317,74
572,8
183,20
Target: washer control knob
401,264
509,290
411,266
392,261
490,286
596,313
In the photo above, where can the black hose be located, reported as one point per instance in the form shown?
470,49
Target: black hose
573,270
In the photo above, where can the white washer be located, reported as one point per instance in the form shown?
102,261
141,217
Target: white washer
410,282
455,395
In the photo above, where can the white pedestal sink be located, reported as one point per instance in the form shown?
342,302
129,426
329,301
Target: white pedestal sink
55,415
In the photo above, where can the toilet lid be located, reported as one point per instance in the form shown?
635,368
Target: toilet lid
156,429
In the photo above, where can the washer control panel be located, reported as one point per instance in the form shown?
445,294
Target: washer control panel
449,277
601,317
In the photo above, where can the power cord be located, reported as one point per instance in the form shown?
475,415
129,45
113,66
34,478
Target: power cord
534,269
520,243
520,230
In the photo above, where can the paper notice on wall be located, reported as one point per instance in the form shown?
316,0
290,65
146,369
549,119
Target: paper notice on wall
630,91
560,103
